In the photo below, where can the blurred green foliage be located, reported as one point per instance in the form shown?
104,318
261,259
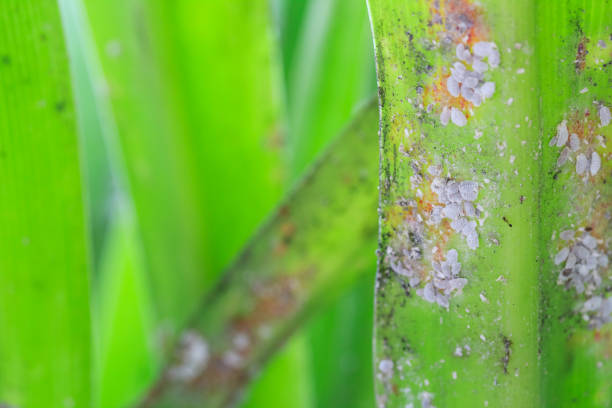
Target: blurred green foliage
313,61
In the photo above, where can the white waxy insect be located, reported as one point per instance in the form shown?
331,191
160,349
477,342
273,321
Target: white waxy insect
476,99
479,66
604,115
452,187
458,117
487,90
581,163
429,293
468,190
469,209
462,52
595,163
494,57
459,224
453,86
458,71
386,367
438,185
574,142
592,304
589,241
562,134
193,358
563,156
451,211
470,81
467,92
571,261
455,268
580,252
483,48
434,170
452,256
442,300
561,255
472,240
445,116
457,283
566,235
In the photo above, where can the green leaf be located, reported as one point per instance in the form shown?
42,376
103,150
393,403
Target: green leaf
44,284
191,131
128,363
341,346
329,70
317,244
512,337
326,78
126,360
286,379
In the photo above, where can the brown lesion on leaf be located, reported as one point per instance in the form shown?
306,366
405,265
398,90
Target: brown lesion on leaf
286,234
581,53
228,366
507,352
276,136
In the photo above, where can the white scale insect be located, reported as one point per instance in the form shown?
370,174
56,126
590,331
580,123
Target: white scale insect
588,162
469,82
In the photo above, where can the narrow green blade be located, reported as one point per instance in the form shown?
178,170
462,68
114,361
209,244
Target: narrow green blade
473,201
44,284
316,245
190,131
127,362
329,70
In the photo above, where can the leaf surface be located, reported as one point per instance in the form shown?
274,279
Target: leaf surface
44,284
473,201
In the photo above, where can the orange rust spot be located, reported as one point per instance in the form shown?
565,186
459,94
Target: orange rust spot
437,94
458,19
287,231
581,53
454,20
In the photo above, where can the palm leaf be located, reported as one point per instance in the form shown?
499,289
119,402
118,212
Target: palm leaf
44,284
469,311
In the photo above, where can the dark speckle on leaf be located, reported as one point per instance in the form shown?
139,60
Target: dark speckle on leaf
60,106
6,59
506,221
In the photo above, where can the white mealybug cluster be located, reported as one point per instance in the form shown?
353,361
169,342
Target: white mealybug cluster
192,358
467,78
457,199
588,161
445,280
406,254
584,261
